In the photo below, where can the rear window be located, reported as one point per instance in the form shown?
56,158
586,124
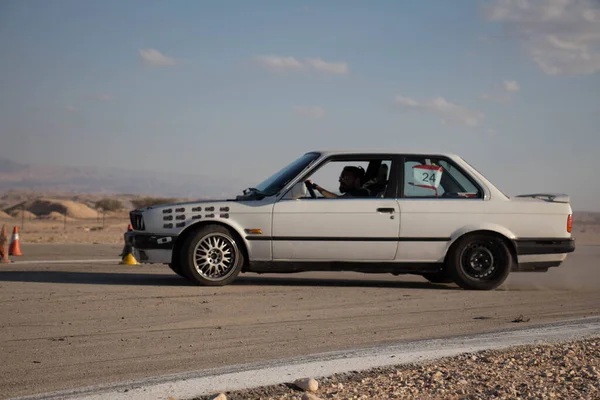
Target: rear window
434,177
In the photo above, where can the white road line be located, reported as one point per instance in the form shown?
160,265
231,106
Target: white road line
106,260
189,385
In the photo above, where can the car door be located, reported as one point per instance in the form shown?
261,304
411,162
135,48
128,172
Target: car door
339,229
436,199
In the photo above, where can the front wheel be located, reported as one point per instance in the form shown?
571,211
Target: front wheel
479,262
212,256
176,267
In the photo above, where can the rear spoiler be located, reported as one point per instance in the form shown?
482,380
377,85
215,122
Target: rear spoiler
551,197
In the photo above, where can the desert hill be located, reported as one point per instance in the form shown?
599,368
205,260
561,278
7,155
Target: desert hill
78,206
55,216
45,207
17,213
584,217
105,181
8,166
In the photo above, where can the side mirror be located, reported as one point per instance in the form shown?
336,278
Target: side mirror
297,191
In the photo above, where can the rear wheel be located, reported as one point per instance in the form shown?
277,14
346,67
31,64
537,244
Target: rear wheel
479,262
211,256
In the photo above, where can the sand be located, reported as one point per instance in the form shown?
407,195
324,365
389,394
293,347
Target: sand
19,214
41,207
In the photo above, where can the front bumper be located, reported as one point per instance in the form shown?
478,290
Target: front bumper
540,246
147,241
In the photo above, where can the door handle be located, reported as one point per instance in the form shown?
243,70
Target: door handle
386,210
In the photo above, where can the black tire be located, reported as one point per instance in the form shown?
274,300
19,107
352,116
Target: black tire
479,262
438,277
177,269
208,251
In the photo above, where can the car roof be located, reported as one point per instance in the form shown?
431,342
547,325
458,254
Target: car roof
328,152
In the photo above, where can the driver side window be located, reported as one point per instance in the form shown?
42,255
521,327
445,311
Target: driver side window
337,177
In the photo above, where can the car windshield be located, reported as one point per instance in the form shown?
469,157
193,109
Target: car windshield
278,181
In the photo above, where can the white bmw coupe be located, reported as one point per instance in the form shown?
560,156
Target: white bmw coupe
374,212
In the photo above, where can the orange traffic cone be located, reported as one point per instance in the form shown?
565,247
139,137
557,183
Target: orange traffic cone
15,247
4,246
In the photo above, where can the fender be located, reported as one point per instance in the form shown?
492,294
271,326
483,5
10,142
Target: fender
481,227
230,223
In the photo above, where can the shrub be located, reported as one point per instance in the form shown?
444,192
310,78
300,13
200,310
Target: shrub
109,205
151,201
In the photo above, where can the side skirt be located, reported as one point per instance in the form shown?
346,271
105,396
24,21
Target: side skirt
396,268
366,267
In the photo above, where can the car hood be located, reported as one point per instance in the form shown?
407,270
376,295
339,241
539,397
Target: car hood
172,218
187,205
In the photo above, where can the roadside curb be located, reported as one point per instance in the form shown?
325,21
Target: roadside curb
245,376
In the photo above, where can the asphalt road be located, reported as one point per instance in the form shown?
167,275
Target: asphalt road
70,325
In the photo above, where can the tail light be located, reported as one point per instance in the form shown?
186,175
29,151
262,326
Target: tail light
570,223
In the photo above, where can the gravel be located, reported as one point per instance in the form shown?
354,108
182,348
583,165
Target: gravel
550,371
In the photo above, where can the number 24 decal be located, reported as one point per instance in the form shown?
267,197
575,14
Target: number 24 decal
427,177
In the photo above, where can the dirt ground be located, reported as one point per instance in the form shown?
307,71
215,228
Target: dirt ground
77,324
89,231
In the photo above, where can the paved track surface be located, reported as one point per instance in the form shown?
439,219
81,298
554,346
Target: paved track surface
70,325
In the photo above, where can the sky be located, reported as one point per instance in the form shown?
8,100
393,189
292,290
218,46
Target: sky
240,89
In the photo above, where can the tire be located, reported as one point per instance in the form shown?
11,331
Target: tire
479,262
177,269
211,256
438,277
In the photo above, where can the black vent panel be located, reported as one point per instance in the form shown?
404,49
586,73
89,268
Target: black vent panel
137,221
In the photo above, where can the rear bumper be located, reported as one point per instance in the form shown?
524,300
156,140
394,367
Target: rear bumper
532,246
535,266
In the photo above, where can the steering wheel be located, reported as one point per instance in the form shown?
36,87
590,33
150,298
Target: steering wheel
309,187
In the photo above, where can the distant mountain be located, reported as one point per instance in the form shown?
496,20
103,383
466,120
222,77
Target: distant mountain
8,166
17,176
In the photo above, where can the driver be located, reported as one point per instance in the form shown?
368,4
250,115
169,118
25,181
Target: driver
350,184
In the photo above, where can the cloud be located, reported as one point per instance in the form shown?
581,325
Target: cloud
502,93
103,97
70,109
155,58
561,36
310,112
338,68
511,86
449,112
281,64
